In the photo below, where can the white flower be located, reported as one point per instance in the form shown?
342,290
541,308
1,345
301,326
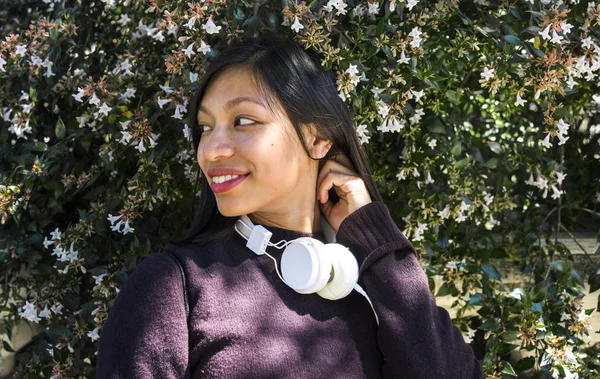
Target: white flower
2,63
556,38
127,228
403,59
487,73
168,90
411,4
566,28
546,141
545,33
191,22
93,335
99,278
415,34
361,132
79,95
470,334
419,232
339,5
560,177
94,100
586,42
556,192
517,293
401,175
162,102
376,91
104,109
140,147
30,312
415,118
113,219
57,308
432,143
45,313
210,27
127,95
56,234
428,178
562,126
21,50
445,213
193,77
519,101
373,8
565,316
124,19
417,94
296,26
189,51
204,48
47,242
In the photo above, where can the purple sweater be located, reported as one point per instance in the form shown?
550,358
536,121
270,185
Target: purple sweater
246,323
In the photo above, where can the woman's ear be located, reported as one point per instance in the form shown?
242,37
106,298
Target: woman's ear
318,144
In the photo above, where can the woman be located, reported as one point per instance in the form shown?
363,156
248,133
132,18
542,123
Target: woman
268,115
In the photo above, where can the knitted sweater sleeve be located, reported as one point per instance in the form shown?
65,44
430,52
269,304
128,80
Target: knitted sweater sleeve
146,335
416,337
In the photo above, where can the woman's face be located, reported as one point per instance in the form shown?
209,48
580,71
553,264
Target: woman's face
240,134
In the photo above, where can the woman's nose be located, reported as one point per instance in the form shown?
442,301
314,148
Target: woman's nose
217,144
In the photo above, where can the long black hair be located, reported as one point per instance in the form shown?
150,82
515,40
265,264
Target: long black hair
281,69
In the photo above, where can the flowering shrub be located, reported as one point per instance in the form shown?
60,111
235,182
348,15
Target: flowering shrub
480,120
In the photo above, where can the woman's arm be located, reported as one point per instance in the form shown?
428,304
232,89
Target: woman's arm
416,337
146,334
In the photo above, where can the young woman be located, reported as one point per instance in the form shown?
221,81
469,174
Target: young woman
277,147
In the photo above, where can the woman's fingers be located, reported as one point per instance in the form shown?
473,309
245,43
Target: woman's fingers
336,180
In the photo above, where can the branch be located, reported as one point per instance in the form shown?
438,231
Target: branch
578,244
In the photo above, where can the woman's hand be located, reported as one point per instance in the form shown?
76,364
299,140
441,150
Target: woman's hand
338,173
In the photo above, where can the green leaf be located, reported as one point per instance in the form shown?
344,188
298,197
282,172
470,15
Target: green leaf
491,324
594,282
492,163
456,149
512,39
462,163
380,26
476,299
525,364
60,129
495,147
508,369
490,271
538,292
435,125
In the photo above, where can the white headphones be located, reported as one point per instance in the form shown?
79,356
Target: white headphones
307,264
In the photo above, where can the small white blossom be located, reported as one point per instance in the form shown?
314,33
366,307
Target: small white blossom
296,26
56,234
487,73
93,335
21,50
210,27
545,33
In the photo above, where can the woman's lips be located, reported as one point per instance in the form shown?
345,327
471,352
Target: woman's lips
226,186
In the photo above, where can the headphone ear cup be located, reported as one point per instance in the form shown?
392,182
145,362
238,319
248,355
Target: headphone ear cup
345,268
305,265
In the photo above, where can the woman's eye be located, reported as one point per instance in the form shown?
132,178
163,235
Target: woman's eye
237,119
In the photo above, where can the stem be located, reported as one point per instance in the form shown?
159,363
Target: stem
577,242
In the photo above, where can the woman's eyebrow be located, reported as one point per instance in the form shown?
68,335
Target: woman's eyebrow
233,102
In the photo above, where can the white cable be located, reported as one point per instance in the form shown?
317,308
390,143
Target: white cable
361,291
